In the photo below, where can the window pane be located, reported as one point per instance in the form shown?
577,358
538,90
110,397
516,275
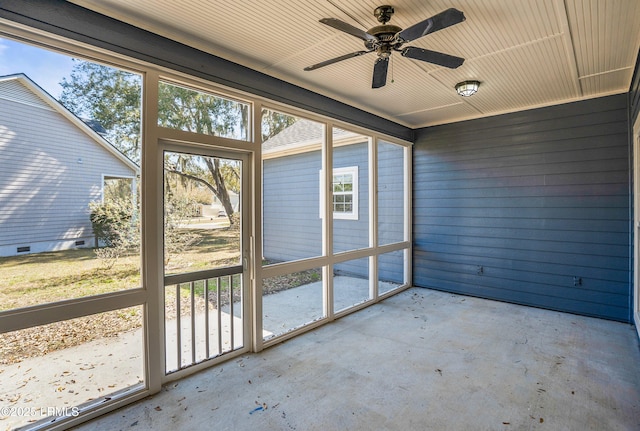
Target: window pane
70,148
390,271
198,112
43,371
201,228
292,160
350,283
351,214
291,301
391,191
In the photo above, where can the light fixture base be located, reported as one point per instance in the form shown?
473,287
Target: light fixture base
467,88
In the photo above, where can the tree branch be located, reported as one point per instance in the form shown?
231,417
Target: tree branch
198,179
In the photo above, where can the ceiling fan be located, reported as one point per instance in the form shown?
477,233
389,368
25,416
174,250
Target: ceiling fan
385,38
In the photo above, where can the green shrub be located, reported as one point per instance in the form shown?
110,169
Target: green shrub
115,227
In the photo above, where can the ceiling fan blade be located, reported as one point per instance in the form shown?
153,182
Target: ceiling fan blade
380,72
335,60
437,22
434,57
347,28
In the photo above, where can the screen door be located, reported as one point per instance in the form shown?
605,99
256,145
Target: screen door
204,256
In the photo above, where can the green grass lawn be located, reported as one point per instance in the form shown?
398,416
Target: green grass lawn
48,277
54,276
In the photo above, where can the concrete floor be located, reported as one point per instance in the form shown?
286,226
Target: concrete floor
421,360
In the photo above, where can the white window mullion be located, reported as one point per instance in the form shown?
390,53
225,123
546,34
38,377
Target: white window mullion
408,175
373,217
152,233
257,245
327,224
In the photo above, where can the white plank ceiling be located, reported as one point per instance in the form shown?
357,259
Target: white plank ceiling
525,53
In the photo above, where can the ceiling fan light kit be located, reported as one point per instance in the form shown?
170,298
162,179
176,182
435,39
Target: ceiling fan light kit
385,38
467,88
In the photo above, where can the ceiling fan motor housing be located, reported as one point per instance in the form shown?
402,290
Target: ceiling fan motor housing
385,32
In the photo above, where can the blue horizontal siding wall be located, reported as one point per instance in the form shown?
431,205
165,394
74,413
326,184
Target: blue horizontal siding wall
518,207
292,226
353,234
390,193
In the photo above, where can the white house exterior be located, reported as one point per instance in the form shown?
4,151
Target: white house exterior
52,166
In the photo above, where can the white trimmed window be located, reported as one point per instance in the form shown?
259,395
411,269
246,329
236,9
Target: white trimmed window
345,193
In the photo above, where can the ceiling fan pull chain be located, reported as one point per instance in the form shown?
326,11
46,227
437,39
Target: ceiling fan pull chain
392,80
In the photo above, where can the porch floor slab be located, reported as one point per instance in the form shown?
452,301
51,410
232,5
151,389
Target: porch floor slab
420,360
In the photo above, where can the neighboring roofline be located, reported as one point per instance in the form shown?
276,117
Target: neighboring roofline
312,144
59,107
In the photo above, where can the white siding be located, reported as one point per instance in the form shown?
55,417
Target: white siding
13,90
50,171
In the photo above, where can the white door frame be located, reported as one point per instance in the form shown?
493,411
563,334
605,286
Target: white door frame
200,147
